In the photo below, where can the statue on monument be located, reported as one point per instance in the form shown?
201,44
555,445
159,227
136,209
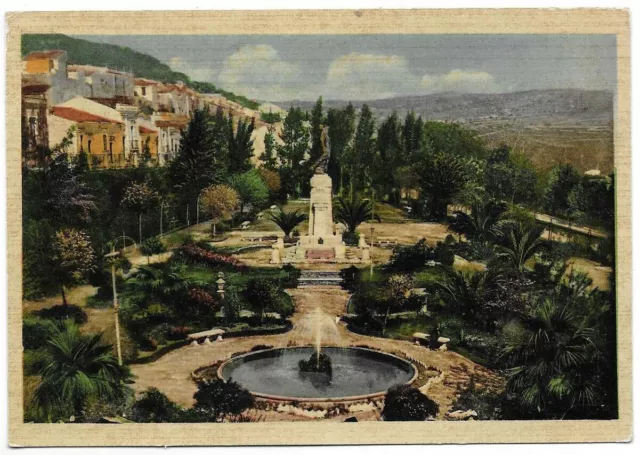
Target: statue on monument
322,164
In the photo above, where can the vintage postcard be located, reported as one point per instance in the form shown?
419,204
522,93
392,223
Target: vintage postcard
319,227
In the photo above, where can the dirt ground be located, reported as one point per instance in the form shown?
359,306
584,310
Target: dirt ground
172,372
598,273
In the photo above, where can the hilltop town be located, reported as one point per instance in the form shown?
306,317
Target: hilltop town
116,117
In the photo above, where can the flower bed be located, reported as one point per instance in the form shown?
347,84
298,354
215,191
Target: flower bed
195,254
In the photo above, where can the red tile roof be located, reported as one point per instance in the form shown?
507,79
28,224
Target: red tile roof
38,55
79,116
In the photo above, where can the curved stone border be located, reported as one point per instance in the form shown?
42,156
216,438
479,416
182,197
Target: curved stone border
318,400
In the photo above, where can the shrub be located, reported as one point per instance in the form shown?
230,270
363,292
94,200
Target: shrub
292,274
351,238
62,312
261,347
350,278
409,258
35,332
404,403
154,407
151,246
222,398
262,294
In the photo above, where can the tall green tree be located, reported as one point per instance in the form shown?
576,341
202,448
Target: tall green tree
411,136
269,158
139,198
341,124
442,178
452,139
251,189
197,164
73,257
317,121
389,158
363,151
292,153
240,145
76,370
562,180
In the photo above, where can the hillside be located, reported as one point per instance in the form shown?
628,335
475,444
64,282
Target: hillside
122,58
527,107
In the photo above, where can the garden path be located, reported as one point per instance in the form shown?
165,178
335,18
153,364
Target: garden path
172,373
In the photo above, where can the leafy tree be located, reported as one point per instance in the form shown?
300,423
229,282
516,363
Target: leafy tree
352,212
262,294
593,199
154,407
250,188
139,198
452,139
240,145
442,177
272,180
220,201
222,399
562,179
510,176
389,157
411,136
76,369
521,244
399,289
288,221
152,246
406,403
73,257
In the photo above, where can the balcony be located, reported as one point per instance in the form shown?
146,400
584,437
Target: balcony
108,160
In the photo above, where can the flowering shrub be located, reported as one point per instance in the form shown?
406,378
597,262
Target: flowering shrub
201,297
194,254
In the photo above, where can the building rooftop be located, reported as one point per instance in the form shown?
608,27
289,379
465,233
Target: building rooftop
39,55
79,116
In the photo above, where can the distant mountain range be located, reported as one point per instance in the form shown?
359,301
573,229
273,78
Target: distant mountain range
526,107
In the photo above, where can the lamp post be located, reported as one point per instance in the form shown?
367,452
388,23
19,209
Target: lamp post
371,252
116,306
220,282
198,208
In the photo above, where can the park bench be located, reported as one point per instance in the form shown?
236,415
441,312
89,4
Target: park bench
206,335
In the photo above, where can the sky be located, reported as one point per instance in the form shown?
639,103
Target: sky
367,67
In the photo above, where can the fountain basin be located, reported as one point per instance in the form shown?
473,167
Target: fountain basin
358,373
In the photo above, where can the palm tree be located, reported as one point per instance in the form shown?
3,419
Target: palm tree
161,280
551,363
521,245
482,224
353,212
76,369
288,221
466,290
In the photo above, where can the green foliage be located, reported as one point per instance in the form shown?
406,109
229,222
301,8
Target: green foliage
442,178
510,176
152,246
154,407
352,212
520,246
482,224
77,368
341,123
294,169
452,140
406,403
240,145
269,157
222,399
262,294
562,180
251,189
63,313
35,332
287,221
409,258
270,117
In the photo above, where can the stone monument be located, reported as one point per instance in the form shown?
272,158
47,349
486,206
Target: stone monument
322,241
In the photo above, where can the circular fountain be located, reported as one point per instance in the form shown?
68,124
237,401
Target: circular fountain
356,373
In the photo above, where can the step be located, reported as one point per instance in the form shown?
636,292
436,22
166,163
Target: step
319,278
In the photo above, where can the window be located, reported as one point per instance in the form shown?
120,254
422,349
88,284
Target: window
89,146
104,142
144,91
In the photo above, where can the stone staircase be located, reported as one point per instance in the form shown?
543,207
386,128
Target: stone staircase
319,278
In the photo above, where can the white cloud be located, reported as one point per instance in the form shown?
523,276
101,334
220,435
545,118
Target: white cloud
360,76
257,71
460,81
201,74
